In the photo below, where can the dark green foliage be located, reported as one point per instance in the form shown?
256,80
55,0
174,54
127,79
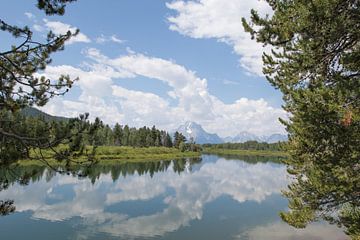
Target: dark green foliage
21,88
182,145
178,138
27,137
125,136
6,207
23,136
52,7
249,145
315,63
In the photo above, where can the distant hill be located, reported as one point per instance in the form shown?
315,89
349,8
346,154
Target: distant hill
33,112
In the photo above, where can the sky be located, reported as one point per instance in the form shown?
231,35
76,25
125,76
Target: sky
160,62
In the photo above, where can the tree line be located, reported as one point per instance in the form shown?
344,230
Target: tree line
249,145
123,135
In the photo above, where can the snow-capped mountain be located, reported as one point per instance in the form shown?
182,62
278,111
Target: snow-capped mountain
276,138
195,131
246,136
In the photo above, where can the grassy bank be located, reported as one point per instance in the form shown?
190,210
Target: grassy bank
106,153
113,154
236,152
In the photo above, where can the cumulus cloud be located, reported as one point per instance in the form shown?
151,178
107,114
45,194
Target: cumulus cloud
102,95
221,20
61,28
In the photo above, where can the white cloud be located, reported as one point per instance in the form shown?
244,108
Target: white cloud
38,28
221,20
190,192
62,28
102,95
113,38
229,82
29,15
282,231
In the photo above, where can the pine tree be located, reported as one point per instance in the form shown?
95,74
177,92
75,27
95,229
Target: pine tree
315,62
21,87
178,138
118,134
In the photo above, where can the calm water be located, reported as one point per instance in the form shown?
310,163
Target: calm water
209,198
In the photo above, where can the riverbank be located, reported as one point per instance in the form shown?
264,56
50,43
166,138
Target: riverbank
120,154
238,152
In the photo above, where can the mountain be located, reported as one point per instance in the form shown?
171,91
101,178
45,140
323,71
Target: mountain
33,112
246,136
276,138
195,131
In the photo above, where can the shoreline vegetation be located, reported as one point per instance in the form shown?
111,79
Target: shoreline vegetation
242,152
249,148
122,154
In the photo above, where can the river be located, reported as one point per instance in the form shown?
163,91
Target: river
208,198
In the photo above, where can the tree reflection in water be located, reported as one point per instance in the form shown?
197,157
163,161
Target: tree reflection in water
23,175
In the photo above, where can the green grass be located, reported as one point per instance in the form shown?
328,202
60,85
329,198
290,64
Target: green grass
237,152
113,154
135,154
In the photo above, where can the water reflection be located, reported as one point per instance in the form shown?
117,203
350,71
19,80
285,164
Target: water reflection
282,231
156,199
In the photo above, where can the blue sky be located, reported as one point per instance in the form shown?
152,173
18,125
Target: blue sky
159,62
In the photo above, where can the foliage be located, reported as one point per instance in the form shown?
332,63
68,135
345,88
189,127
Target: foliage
19,84
178,138
241,152
32,137
126,136
118,154
315,62
22,86
249,145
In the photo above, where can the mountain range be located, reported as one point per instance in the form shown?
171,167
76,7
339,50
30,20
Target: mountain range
199,135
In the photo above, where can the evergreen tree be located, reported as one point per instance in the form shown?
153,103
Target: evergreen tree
149,141
20,87
168,141
118,134
315,63
125,137
178,138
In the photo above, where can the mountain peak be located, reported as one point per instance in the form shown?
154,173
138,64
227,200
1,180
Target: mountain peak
245,136
195,131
